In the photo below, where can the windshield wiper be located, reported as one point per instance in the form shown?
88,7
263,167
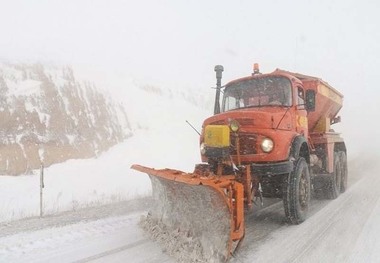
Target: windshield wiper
278,125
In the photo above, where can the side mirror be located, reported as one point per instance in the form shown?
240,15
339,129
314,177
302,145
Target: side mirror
310,100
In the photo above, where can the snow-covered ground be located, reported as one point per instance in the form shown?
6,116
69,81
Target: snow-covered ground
162,138
341,230
111,239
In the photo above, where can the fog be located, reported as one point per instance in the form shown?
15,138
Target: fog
177,43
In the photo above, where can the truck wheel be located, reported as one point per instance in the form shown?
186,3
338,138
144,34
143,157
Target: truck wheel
343,160
297,193
333,187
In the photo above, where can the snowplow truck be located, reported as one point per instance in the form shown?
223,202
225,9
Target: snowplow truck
270,136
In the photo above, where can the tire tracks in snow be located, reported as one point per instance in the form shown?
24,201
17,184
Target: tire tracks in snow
113,251
328,235
56,242
343,224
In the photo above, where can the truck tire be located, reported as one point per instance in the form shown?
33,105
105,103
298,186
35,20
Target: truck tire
297,192
333,186
343,160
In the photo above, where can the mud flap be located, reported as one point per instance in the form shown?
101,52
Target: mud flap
210,210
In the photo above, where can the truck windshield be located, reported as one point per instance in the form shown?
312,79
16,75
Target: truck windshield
265,91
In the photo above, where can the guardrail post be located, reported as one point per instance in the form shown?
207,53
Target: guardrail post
41,188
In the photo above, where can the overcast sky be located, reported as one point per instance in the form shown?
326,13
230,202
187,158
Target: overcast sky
178,42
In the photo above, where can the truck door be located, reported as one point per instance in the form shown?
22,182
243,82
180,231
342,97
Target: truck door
301,114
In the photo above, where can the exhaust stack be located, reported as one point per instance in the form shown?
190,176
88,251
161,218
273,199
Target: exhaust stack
218,69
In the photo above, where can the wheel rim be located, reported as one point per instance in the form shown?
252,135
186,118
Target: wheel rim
303,191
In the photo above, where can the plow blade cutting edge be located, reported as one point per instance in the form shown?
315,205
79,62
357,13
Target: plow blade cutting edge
209,209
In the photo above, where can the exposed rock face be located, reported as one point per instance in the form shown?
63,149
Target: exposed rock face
45,113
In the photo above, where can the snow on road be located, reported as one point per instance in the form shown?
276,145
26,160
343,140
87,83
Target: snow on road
341,230
83,236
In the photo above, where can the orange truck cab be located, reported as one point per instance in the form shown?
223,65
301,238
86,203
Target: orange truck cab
278,124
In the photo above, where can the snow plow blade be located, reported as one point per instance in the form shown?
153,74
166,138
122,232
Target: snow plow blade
209,209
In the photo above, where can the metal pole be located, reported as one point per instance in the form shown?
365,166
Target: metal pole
41,187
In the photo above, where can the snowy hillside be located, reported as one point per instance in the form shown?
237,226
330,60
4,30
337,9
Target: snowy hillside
160,138
45,113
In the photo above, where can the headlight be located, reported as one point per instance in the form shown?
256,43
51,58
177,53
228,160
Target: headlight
267,145
203,149
234,125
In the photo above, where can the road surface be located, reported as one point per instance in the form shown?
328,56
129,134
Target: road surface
341,230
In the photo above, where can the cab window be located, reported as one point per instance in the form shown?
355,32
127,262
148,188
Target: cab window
301,97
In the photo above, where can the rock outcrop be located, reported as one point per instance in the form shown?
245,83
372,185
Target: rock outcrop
46,114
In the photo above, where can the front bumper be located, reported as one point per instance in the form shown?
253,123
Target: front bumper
272,168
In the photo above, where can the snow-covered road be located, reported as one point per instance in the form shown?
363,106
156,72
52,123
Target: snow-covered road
83,236
342,230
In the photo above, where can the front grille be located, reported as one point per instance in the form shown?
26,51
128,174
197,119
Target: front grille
242,122
221,122
246,122
248,144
